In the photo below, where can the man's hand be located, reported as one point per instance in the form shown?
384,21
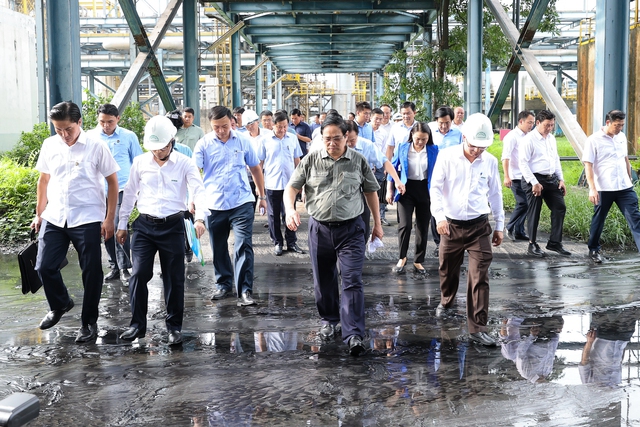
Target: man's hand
35,224
507,181
443,228
192,208
537,189
293,219
497,238
562,188
377,231
591,336
262,206
400,187
200,229
121,236
107,229
594,197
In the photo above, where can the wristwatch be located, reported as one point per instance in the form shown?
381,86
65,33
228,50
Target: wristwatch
262,197
200,220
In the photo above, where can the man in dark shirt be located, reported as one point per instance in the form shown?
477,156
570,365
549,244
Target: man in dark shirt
302,129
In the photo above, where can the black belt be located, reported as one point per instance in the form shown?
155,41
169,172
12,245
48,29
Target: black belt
547,177
336,223
468,222
156,220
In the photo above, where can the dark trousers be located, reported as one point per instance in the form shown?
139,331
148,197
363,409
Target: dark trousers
253,191
416,198
119,255
554,199
434,231
167,239
519,214
240,220
476,240
366,219
53,243
343,244
627,202
274,216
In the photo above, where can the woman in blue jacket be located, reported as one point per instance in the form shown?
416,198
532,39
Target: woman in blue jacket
414,161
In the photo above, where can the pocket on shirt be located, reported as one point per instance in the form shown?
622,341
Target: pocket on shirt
350,183
238,158
317,177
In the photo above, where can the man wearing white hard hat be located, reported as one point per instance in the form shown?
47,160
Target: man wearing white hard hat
465,189
158,183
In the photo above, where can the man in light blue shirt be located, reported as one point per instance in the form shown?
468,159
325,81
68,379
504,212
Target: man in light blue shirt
363,114
223,155
124,146
280,154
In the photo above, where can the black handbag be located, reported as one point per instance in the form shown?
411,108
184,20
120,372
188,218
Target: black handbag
27,262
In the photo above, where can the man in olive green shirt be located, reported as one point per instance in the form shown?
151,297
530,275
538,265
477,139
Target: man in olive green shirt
333,179
189,133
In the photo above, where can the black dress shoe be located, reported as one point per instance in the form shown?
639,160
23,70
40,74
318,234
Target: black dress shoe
419,270
87,333
54,316
436,251
131,334
557,247
219,294
125,274
595,257
398,270
246,299
522,237
535,250
277,251
113,275
356,348
175,337
511,236
295,248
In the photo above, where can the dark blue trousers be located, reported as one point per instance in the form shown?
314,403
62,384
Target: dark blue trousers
240,220
627,202
119,255
519,215
53,243
167,239
343,244
274,216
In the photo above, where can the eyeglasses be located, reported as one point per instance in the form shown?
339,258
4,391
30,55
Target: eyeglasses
336,138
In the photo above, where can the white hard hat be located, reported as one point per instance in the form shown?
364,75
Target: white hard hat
249,116
158,132
478,130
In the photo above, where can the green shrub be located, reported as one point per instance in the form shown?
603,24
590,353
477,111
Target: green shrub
26,151
17,200
131,118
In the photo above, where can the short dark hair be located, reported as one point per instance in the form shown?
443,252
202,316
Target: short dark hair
615,115
377,111
408,104
176,118
386,105
524,115
421,127
280,116
352,126
332,111
266,113
443,112
238,110
361,106
296,112
189,110
544,115
316,115
220,111
66,110
284,111
334,119
109,110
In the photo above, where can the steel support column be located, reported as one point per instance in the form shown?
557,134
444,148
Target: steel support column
474,57
236,82
133,54
279,90
190,58
146,60
269,88
612,59
487,87
372,98
40,61
554,101
259,86
63,27
379,83
427,39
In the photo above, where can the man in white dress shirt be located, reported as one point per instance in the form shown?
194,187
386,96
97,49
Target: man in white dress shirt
70,207
540,166
160,174
512,175
608,172
465,188
399,132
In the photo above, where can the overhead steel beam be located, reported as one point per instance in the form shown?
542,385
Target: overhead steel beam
237,27
373,53
190,43
252,31
524,38
288,47
552,98
146,60
327,6
329,38
343,19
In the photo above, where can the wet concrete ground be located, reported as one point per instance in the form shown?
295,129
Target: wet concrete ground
266,366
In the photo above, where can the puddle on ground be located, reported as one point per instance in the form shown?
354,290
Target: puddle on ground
568,353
